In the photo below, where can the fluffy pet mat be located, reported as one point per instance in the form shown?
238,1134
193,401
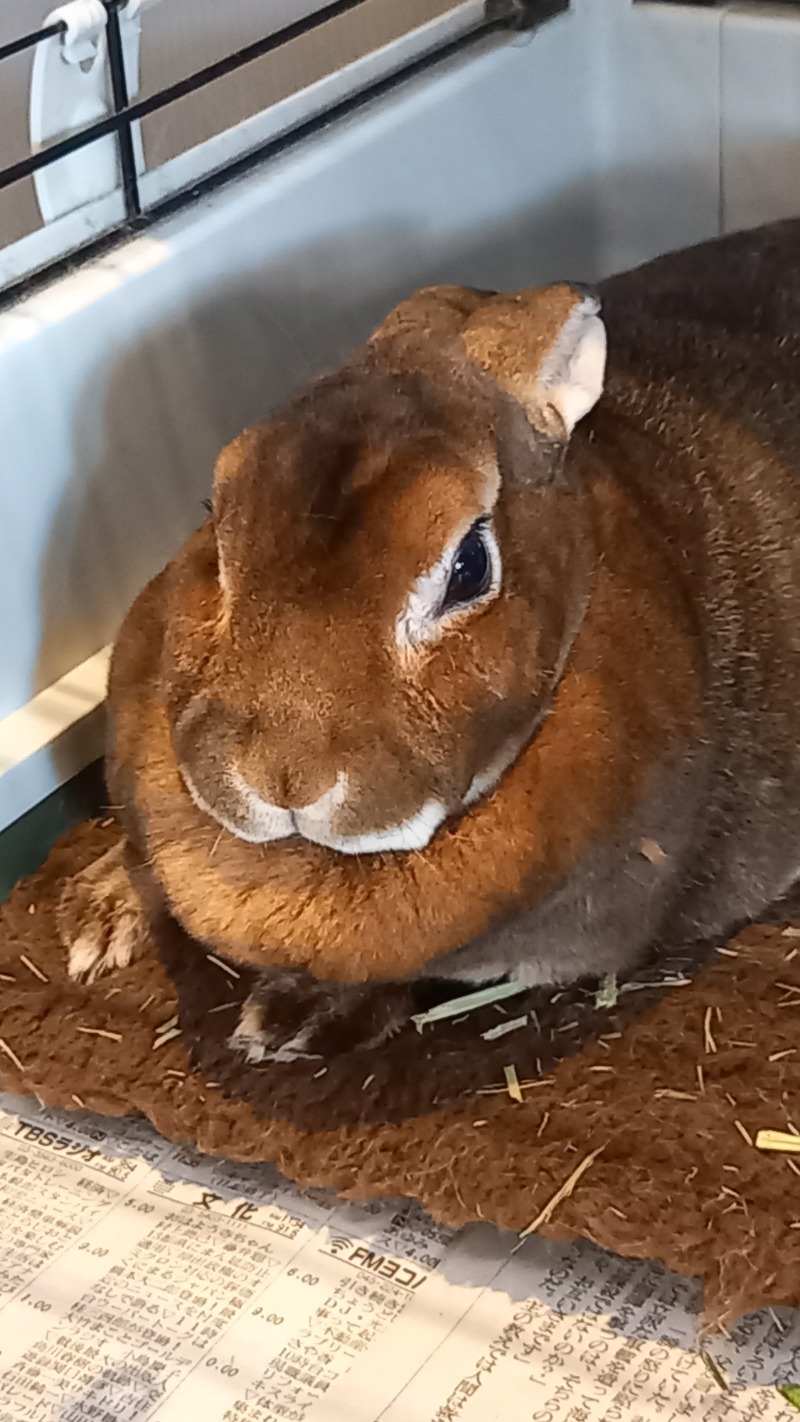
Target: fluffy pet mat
635,1130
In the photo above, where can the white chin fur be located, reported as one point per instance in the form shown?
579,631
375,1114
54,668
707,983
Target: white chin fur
414,833
263,823
259,822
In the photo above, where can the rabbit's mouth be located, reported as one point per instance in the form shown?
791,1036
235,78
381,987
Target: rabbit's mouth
241,810
385,800
245,813
413,833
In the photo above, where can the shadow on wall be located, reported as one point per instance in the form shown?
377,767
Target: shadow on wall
144,450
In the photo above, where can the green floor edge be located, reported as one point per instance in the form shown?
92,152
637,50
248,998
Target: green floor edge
25,844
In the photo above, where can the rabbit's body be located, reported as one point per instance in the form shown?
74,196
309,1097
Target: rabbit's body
702,420
597,751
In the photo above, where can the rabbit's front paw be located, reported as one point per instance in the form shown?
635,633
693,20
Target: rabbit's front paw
99,918
290,1016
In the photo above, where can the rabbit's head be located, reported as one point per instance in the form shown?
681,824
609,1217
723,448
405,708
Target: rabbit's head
396,567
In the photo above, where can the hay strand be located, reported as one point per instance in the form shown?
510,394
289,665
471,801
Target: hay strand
503,1029
32,968
744,1133
607,994
4,1047
164,1037
226,967
100,1032
544,1217
470,1002
778,1141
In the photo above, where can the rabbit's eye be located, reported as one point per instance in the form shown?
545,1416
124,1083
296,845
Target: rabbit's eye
471,574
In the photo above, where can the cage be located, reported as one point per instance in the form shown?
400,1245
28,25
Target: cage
204,205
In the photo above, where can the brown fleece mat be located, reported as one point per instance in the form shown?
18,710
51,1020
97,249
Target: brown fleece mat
670,1087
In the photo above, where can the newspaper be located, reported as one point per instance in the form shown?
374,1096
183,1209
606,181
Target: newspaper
139,1280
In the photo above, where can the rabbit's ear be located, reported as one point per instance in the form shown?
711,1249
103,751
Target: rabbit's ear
547,348
438,311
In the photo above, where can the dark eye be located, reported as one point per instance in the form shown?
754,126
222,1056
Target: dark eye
471,576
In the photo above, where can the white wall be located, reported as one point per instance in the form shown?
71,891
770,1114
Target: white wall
616,132
760,115
698,123
658,107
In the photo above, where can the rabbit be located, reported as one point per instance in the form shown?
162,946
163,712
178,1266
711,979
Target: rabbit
487,662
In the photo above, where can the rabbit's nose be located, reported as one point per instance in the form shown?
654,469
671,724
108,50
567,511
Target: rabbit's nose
301,788
279,789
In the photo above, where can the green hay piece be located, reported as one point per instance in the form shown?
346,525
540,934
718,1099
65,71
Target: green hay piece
607,993
469,1003
503,1028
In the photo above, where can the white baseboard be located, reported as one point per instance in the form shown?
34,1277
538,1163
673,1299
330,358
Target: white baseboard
52,738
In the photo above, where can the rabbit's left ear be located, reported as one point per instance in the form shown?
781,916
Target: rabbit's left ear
545,347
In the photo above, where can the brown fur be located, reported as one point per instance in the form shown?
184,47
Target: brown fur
388,915
656,554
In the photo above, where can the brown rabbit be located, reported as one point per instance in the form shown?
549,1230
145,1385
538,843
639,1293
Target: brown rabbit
457,682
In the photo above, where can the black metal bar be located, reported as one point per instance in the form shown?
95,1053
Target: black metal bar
119,93
246,55
231,62
308,128
18,46
273,148
26,166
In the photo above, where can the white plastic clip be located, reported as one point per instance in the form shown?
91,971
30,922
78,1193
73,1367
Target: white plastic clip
85,22
70,89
